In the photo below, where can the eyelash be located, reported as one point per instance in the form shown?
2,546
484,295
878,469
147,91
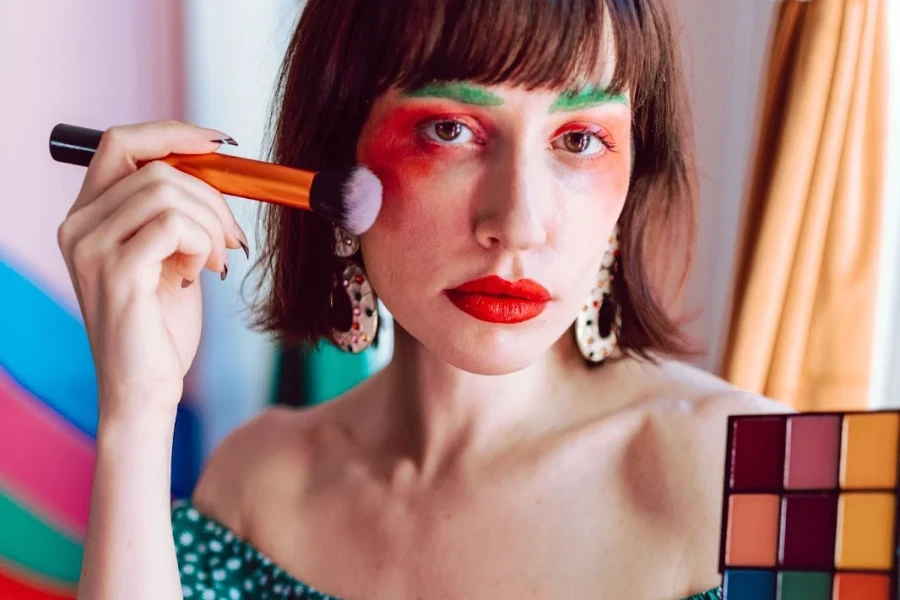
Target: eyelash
597,133
428,124
604,139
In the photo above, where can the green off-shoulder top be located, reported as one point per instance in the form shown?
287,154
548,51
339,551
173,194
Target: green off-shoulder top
215,564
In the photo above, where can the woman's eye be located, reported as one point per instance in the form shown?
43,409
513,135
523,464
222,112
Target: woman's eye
449,132
583,143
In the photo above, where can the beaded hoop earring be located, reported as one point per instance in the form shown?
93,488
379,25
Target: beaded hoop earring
598,322
361,297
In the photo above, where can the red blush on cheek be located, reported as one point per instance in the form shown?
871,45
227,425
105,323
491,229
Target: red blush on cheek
618,179
397,154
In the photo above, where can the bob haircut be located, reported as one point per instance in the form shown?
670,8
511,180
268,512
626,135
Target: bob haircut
344,53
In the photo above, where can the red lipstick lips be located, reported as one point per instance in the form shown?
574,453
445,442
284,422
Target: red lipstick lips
496,300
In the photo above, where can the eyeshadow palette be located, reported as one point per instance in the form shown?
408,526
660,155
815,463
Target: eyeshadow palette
810,507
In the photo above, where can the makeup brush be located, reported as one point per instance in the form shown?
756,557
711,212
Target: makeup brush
349,197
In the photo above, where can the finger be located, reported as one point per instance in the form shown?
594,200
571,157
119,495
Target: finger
160,196
213,198
140,260
123,191
122,147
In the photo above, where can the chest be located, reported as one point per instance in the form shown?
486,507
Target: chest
563,529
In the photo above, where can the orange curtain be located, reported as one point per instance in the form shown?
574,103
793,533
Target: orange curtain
801,328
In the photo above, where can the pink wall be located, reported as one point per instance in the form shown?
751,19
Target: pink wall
95,64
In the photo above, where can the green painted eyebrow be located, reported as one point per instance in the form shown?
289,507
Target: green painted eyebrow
460,92
586,97
471,94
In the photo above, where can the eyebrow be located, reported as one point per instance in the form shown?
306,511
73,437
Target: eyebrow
471,94
460,92
586,97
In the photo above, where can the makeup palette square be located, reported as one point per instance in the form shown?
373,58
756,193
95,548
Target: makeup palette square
811,507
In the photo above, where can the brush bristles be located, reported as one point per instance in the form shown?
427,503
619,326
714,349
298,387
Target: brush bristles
350,197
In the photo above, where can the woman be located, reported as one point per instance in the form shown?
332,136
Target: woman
533,436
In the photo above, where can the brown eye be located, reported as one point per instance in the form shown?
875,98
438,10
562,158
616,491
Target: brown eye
448,130
577,141
584,144
450,133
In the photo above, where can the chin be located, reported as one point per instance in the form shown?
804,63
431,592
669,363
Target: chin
491,352
481,364
480,347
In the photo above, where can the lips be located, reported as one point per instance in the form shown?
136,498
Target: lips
496,300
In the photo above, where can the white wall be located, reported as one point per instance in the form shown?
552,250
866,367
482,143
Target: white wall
232,51
886,369
724,48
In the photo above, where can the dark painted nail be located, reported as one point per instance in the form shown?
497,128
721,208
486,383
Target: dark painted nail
242,239
186,282
229,141
225,272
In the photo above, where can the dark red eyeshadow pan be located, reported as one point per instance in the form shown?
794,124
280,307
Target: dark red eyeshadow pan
808,524
757,456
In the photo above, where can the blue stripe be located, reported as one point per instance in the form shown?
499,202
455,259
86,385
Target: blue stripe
45,349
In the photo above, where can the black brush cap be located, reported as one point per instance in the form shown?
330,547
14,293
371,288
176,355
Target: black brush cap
74,145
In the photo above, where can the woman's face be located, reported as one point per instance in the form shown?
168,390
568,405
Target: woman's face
487,182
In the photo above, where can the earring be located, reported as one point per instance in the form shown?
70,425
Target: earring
600,318
361,297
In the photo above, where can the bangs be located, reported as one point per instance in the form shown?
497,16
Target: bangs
531,43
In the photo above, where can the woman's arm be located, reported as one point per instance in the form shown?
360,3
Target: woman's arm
134,241
129,551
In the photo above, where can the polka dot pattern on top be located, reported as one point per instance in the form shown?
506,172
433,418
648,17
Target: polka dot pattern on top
215,564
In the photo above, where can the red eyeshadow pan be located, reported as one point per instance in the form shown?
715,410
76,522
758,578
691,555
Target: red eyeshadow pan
861,586
813,452
757,455
808,524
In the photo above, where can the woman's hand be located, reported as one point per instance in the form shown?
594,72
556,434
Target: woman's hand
135,241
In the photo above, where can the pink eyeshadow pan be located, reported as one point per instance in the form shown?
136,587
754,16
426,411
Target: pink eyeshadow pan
812,452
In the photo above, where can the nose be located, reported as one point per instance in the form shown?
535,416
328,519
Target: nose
513,206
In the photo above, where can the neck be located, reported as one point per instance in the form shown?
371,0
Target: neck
436,415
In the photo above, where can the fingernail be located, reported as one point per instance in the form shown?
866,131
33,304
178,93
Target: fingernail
225,272
242,239
228,140
186,282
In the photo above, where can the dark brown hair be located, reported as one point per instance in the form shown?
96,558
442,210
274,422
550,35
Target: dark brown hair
345,53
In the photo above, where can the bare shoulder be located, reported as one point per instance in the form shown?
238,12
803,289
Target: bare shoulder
703,399
691,422
270,451
686,414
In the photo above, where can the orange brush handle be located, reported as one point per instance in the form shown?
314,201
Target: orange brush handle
247,178
230,175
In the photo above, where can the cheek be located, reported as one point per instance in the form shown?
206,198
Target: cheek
400,169
600,192
419,181
397,155
593,205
